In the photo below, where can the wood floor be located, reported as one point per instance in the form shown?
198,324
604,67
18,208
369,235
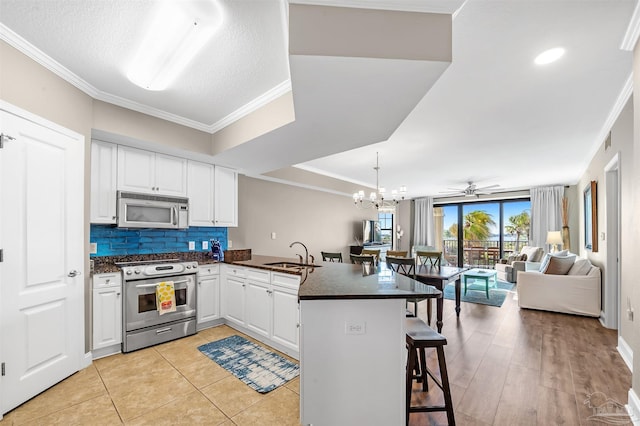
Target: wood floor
512,366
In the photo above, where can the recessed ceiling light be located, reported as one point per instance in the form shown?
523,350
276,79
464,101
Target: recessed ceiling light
549,56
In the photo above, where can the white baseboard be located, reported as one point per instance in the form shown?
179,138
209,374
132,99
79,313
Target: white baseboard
633,407
87,360
626,353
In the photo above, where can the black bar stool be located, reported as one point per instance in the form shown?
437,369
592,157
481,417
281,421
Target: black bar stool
419,337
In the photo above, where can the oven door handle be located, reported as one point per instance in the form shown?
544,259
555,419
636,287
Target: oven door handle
155,285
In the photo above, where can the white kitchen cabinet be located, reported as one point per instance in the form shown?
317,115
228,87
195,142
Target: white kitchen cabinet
258,301
233,294
107,311
208,295
226,197
200,192
104,160
152,173
286,310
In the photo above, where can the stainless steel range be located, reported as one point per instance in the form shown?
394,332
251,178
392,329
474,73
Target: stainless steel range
142,323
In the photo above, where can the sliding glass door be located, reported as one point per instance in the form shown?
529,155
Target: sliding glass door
477,234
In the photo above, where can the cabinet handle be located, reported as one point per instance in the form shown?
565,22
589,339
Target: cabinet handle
118,294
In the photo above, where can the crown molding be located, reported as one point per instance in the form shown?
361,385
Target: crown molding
46,61
252,106
633,30
55,67
429,6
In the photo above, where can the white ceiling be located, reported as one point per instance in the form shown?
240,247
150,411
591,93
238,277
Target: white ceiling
491,116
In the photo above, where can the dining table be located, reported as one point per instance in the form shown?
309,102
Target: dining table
439,277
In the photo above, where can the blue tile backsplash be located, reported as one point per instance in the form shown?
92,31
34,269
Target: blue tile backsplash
114,241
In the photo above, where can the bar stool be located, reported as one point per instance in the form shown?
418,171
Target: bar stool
419,337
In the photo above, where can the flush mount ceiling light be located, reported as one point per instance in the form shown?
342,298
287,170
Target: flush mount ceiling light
178,31
549,56
379,203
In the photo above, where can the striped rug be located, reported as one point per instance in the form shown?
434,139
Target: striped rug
258,367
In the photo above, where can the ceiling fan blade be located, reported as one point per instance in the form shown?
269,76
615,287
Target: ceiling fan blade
483,188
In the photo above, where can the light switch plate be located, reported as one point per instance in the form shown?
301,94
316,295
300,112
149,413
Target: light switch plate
93,248
229,243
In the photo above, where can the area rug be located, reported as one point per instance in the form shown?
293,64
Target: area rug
258,367
476,293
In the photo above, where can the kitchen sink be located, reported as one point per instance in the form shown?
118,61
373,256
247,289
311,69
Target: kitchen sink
292,265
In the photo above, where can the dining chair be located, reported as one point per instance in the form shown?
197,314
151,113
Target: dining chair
429,258
360,259
396,253
369,252
331,257
405,266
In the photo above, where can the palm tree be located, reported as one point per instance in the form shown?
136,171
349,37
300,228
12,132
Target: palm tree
519,226
476,225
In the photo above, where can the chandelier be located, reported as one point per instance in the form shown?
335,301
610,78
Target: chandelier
377,199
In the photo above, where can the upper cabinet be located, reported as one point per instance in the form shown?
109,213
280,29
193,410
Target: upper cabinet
212,190
200,192
226,197
104,158
150,172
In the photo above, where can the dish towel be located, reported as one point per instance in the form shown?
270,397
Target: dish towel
165,297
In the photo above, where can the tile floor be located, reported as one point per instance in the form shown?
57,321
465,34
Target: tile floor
168,384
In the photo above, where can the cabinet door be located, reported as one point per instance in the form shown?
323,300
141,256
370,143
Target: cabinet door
107,317
104,160
226,197
200,193
208,298
258,307
234,299
136,170
286,317
170,175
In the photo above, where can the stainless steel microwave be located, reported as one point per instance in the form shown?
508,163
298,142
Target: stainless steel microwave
152,211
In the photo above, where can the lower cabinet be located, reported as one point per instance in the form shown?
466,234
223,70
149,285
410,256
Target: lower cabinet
107,313
264,305
208,295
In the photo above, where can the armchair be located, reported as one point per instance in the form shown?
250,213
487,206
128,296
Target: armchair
507,269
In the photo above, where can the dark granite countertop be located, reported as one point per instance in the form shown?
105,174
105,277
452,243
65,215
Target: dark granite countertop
347,281
107,264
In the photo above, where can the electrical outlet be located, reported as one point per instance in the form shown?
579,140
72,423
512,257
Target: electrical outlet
192,245
355,327
93,248
229,243
273,235
205,245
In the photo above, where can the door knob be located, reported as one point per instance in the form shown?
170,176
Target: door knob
73,273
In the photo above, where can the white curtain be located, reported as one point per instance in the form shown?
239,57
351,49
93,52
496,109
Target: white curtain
424,228
546,214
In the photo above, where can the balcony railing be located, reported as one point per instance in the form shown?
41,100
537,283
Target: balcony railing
479,253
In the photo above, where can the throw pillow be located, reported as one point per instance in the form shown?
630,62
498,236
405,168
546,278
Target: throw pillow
580,267
515,257
559,265
547,256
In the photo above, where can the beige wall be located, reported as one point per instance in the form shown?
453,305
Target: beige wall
621,144
322,221
630,267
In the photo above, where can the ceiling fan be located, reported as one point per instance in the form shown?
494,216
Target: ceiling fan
472,190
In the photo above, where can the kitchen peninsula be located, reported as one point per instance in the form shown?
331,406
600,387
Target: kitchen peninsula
352,344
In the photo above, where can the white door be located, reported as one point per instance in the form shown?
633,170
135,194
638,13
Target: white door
136,170
208,299
200,193
234,299
286,317
104,159
171,175
107,317
41,275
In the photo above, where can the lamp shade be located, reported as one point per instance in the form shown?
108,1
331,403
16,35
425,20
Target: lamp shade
554,237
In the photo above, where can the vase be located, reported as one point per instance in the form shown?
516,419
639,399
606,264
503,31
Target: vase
566,243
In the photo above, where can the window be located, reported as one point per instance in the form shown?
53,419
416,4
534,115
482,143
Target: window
385,221
478,234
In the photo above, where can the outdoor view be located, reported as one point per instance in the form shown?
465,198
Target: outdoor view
482,233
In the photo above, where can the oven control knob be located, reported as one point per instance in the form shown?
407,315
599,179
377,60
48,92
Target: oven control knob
137,271
129,272
188,266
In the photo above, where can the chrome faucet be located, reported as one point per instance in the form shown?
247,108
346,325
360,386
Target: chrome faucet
306,252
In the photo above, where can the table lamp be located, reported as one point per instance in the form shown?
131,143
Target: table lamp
554,238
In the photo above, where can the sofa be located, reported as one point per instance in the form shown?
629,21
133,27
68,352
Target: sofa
575,292
507,269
